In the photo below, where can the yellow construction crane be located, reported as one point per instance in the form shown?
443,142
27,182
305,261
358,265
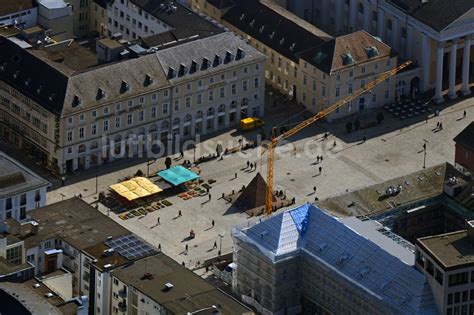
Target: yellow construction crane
275,140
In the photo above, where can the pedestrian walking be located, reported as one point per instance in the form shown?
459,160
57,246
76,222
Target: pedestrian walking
215,245
314,189
158,221
440,126
213,223
321,158
180,214
63,180
364,138
334,144
317,159
186,247
209,197
159,247
235,175
464,114
182,153
251,166
248,164
437,125
320,169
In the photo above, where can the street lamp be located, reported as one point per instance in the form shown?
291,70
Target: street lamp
424,153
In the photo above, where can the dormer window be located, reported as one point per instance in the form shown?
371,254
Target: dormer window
292,47
262,28
347,59
39,89
100,94
193,67
242,16
228,57
319,57
240,54
51,97
182,70
124,87
282,40
76,101
27,81
3,66
16,74
217,61
205,64
148,80
252,22
171,73
371,51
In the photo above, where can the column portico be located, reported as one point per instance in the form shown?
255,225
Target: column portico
465,66
452,70
353,15
439,73
381,24
425,60
339,11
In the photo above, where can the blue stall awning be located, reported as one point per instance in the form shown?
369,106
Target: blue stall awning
177,175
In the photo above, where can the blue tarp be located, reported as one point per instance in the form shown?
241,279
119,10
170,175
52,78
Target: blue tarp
177,175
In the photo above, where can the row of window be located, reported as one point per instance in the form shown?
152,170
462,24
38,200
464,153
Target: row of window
20,200
176,103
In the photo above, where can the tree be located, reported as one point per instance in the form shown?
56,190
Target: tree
349,127
168,162
380,117
357,124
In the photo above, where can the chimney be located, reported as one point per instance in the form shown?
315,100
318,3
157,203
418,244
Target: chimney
470,230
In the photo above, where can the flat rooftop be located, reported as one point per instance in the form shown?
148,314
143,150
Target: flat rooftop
76,222
189,292
15,178
449,250
371,200
12,6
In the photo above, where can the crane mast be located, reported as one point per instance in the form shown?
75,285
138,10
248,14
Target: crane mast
275,140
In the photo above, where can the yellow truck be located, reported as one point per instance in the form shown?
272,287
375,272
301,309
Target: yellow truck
250,123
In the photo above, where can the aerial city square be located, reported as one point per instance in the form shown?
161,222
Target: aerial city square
236,157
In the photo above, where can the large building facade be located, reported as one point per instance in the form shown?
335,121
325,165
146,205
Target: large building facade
306,261
117,100
436,35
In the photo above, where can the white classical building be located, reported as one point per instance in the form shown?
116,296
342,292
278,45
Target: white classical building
21,190
435,34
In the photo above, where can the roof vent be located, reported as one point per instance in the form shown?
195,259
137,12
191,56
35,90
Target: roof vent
182,70
217,60
124,87
193,67
100,94
322,246
147,276
148,80
171,73
205,64
262,29
240,54
49,295
228,57
263,233
107,266
109,252
168,286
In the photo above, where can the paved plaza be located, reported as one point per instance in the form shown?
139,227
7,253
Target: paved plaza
392,149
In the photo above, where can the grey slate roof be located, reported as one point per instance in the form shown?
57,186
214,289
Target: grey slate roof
438,14
16,178
466,137
377,268
207,48
275,27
